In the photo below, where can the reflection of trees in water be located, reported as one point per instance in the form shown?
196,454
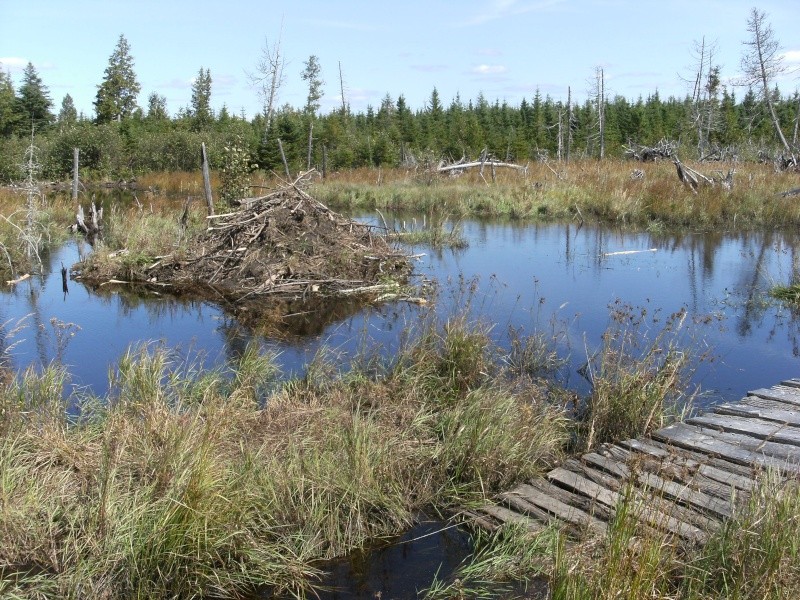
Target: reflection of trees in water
131,299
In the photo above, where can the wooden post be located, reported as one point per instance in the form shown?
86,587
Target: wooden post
310,141
569,120
75,162
283,158
64,286
206,179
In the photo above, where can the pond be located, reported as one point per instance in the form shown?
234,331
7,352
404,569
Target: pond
564,280
560,279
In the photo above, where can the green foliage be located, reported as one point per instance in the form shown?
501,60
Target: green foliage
235,171
33,103
201,100
68,114
638,380
116,95
311,75
8,114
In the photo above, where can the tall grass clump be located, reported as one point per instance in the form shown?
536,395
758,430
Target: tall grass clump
754,555
585,190
639,380
186,483
757,553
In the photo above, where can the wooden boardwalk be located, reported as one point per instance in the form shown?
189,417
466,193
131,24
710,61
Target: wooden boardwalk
689,476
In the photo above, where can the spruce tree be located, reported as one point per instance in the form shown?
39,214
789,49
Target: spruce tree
8,101
116,96
157,107
201,100
68,113
33,102
311,75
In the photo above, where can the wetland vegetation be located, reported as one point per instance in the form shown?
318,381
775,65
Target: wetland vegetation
187,481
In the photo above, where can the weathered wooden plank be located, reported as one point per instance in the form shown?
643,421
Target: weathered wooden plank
786,395
745,471
574,482
587,505
794,382
608,481
753,427
765,403
515,502
606,464
677,491
504,515
682,456
768,413
479,518
788,454
644,510
533,496
679,469
710,441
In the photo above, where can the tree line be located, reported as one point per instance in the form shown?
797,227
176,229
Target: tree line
123,139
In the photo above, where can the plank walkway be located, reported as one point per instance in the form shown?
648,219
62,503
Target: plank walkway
689,476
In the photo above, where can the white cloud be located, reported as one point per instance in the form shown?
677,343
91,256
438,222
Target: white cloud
792,55
499,9
430,68
13,63
490,70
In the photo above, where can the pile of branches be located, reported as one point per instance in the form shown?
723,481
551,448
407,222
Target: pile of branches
285,244
693,179
663,150
781,162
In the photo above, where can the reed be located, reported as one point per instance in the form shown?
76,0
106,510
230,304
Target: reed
639,378
183,482
584,190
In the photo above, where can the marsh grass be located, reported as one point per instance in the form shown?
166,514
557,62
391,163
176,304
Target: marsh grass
755,555
639,376
786,293
134,237
583,190
53,215
183,482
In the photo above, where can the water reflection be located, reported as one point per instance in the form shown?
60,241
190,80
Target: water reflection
553,278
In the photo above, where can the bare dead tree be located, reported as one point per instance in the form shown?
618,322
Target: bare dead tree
569,121
761,64
598,92
341,88
705,83
796,122
269,78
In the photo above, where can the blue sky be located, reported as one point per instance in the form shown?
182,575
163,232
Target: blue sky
504,49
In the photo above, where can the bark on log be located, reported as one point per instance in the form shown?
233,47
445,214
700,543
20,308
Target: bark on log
470,165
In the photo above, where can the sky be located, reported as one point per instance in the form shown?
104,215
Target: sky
505,50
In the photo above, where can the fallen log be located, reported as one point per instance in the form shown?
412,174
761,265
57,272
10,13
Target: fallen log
786,194
689,176
478,163
18,279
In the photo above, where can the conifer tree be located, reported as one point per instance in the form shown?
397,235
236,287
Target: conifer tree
68,113
116,96
33,102
311,75
8,101
157,107
201,100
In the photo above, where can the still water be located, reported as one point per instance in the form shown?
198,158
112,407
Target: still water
559,279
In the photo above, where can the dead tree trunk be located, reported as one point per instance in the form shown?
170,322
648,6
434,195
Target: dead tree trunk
75,163
206,179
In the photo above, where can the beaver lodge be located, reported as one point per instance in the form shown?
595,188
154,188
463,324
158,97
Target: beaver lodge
284,247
